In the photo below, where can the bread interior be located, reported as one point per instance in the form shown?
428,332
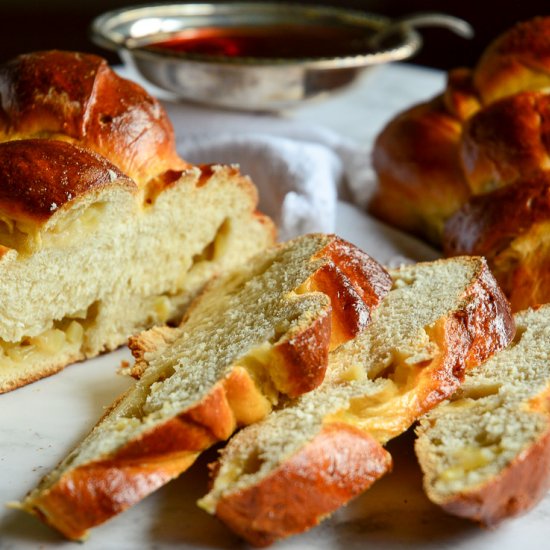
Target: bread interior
233,325
120,265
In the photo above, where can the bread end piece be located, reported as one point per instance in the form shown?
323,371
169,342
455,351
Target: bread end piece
338,464
514,491
485,453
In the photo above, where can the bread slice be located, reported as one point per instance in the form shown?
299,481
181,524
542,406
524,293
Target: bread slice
104,230
485,453
283,475
259,332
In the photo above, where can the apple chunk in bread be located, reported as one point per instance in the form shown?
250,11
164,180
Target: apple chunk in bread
286,473
262,331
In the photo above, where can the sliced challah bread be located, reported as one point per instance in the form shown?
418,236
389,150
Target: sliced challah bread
89,256
261,331
486,452
284,474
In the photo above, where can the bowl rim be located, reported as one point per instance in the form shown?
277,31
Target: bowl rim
103,32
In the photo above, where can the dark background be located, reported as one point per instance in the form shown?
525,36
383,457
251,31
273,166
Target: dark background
27,25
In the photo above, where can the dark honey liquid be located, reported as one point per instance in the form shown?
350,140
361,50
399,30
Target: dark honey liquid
273,42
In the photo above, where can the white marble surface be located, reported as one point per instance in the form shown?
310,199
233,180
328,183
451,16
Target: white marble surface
40,423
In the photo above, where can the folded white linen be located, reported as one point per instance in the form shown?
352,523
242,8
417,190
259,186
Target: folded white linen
300,169
296,180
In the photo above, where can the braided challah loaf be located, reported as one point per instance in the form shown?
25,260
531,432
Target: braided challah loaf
469,169
104,230
77,98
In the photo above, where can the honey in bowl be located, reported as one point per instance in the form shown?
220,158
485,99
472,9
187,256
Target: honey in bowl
269,42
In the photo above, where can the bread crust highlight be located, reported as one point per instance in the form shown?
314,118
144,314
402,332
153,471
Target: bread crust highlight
337,465
273,504
40,176
77,97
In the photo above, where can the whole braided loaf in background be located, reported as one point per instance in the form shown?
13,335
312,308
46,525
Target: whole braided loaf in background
470,169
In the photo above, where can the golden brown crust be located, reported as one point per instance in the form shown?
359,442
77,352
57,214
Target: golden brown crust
78,97
486,224
98,490
95,491
517,60
84,498
490,129
286,502
335,466
38,177
507,140
301,360
487,320
420,179
492,224
355,284
480,327
523,483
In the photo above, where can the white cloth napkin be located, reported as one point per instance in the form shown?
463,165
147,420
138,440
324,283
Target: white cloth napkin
300,170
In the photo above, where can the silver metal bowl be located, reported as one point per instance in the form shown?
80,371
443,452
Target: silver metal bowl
247,83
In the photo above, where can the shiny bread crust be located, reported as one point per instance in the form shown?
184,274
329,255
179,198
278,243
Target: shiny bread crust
337,465
469,336
505,141
420,178
507,227
486,224
355,285
39,177
517,60
77,97
428,176
487,319
460,96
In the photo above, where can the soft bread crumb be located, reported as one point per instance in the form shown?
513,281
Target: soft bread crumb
152,279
